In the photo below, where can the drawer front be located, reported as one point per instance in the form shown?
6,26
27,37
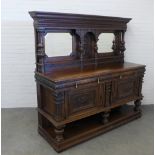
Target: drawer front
127,75
81,99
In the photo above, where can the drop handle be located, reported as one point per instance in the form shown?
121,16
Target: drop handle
76,85
98,80
120,76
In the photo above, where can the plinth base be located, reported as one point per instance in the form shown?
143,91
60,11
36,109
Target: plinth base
84,129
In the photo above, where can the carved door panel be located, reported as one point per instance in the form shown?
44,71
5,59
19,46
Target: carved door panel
81,99
124,89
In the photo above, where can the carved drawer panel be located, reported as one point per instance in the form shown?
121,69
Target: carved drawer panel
80,99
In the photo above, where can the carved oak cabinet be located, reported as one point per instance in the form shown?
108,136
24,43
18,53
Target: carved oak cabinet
86,93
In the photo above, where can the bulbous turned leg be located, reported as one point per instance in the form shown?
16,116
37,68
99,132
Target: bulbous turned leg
105,117
59,131
137,105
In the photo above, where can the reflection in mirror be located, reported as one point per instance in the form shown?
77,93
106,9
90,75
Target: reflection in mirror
58,44
105,42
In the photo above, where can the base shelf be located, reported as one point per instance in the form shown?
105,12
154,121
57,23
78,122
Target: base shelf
84,129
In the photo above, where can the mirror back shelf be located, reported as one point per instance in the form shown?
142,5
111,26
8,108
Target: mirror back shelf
77,41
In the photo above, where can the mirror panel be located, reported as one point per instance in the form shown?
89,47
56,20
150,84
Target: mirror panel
58,44
105,42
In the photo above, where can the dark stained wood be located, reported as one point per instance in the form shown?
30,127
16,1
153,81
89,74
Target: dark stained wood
60,75
64,21
85,94
85,30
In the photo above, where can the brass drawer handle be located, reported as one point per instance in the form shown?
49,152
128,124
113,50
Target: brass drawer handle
76,85
98,80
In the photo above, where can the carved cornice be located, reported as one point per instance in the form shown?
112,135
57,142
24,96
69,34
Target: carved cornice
47,20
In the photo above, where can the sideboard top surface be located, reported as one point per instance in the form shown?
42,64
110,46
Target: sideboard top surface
78,73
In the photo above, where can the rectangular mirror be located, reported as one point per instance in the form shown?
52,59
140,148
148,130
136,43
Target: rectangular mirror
105,42
58,44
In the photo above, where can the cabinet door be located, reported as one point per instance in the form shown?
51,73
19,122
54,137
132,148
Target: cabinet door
124,89
81,99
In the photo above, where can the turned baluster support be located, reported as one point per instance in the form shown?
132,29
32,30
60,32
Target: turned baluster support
59,131
137,105
122,43
105,117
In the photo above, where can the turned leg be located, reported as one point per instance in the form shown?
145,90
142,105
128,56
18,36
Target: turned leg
59,131
105,117
137,105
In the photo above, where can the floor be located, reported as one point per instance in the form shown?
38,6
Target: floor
20,137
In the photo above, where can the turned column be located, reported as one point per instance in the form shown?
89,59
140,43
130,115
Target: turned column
40,49
137,105
59,133
105,117
122,43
